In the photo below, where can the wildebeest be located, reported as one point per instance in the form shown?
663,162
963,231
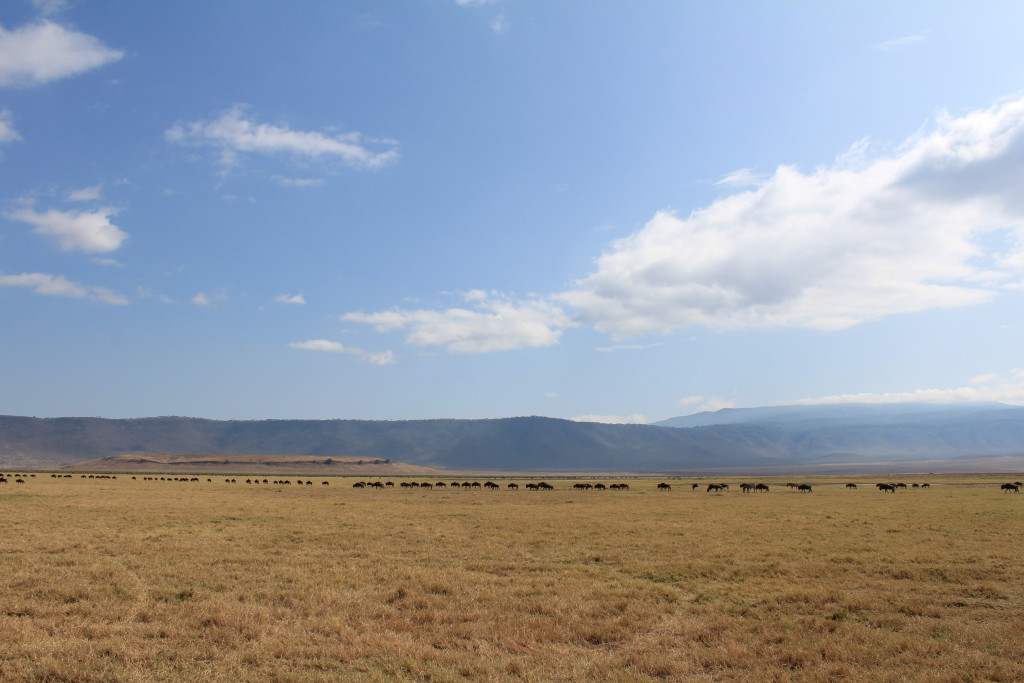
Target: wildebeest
490,485
664,487
746,488
360,485
887,487
599,487
694,487
325,483
513,486
761,488
804,487
714,488
1005,487
544,486
580,486
851,486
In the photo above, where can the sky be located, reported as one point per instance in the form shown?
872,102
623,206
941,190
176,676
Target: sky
586,209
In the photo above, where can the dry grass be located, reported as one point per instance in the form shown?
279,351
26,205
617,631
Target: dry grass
138,580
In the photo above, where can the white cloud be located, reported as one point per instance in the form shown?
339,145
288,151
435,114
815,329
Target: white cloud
56,285
292,299
300,182
701,404
88,231
499,24
626,347
743,177
898,43
7,132
999,387
374,358
48,7
86,194
635,419
45,51
233,134
831,248
495,324
209,299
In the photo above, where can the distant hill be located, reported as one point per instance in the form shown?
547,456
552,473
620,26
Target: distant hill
982,436
251,464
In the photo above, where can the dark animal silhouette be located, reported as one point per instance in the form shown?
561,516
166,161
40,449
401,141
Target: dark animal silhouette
664,487
804,487
1005,487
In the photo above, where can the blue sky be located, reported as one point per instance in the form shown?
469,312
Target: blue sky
618,211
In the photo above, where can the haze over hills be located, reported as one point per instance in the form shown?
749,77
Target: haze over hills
904,437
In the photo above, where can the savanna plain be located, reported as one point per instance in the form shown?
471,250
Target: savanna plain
138,580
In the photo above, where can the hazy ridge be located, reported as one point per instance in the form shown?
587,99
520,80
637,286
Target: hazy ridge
783,436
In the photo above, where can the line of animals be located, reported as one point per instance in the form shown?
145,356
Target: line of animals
1013,487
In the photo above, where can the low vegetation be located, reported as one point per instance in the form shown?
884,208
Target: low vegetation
122,579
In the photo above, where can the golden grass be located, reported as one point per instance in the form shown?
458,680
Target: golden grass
139,581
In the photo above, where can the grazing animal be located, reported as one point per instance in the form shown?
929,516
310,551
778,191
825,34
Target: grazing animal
599,487
851,486
532,487
426,485
390,484
791,485
490,485
513,486
544,486
714,488
1005,487
887,487
664,487
694,487
804,487
325,483
440,485
360,485
926,486
19,481
761,488
746,488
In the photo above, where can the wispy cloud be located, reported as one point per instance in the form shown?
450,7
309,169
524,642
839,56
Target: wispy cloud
999,387
300,182
743,177
56,285
292,299
626,347
899,43
7,132
324,345
233,133
86,194
44,51
494,323
87,231
210,299
701,404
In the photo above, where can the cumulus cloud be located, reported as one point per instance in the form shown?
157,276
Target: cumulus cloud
327,346
7,132
999,387
233,133
494,323
937,222
635,419
290,299
88,231
831,248
43,52
56,285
